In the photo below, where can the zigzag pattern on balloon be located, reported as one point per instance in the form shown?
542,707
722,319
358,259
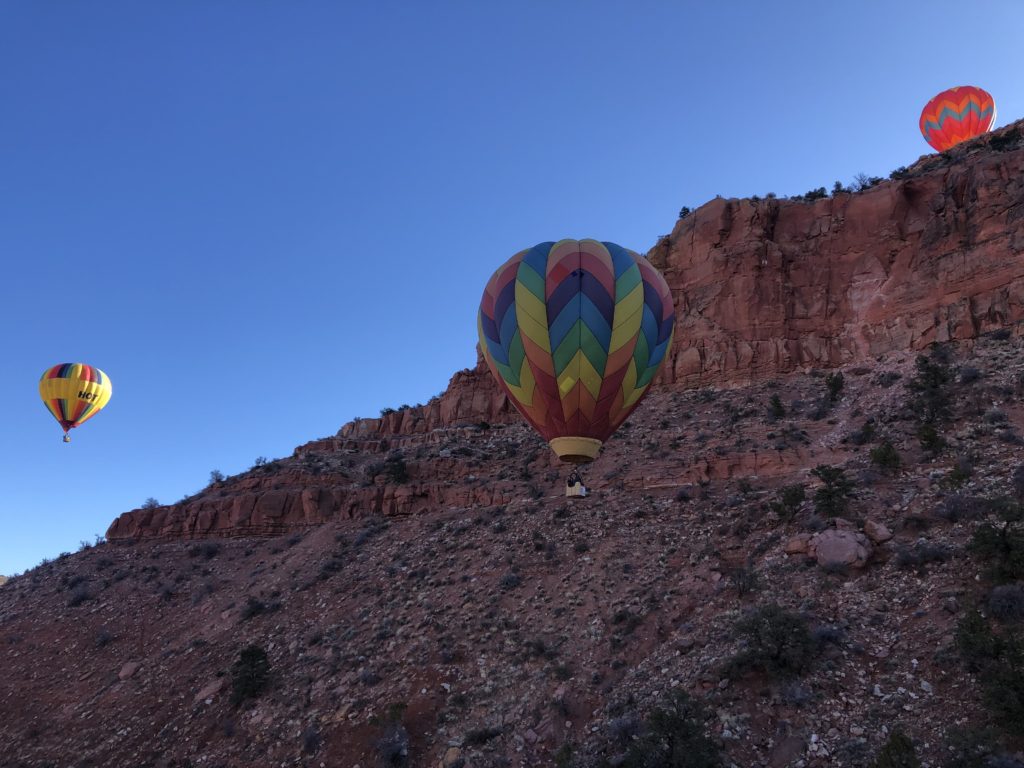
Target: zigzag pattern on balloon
575,331
956,115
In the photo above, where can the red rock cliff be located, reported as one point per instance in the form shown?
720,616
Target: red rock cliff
762,287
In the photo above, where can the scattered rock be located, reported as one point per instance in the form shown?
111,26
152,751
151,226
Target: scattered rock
798,544
840,549
877,532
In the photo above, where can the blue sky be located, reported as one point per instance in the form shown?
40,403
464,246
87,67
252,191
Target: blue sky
262,219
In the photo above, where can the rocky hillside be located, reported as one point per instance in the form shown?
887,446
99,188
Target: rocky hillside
804,549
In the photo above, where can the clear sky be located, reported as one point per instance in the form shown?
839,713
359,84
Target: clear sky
262,219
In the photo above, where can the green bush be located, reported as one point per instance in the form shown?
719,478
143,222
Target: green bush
395,469
775,408
885,456
789,501
674,736
930,397
833,496
1001,547
930,439
834,383
897,752
250,674
998,662
777,642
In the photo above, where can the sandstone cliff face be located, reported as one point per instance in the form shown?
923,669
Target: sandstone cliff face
771,286
762,288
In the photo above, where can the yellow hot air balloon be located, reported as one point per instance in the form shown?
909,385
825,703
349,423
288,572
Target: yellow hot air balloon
74,393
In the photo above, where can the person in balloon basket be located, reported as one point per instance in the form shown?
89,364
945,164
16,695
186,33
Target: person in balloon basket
574,485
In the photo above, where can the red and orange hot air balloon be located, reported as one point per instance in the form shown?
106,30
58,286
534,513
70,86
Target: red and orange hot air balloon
956,115
574,332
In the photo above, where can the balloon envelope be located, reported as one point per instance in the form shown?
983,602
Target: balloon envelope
574,332
956,115
74,393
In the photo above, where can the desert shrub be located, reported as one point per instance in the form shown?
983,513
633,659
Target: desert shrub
930,397
815,194
201,592
1006,603
510,580
395,469
478,736
838,188
206,550
789,500
918,556
254,607
216,476
1017,482
831,498
998,662
311,740
930,439
744,579
393,745
976,748
1003,142
250,674
959,506
79,595
863,435
995,416
961,472
623,729
674,736
776,642
897,752
899,173
150,503
259,462
969,374
886,379
684,212
775,408
369,678
834,385
386,412
885,456
862,182
1001,547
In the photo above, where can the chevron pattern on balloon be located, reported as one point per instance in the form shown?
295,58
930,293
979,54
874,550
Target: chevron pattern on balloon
956,115
574,332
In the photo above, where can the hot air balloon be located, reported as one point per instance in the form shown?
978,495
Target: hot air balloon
956,115
74,393
574,333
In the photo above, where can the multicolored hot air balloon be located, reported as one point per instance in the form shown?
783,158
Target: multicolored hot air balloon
74,393
574,332
956,115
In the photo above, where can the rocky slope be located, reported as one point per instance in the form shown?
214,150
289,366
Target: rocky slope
425,596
